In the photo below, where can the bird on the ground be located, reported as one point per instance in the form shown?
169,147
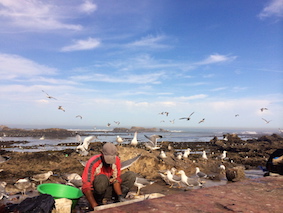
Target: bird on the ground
126,164
200,174
188,181
201,121
79,116
204,156
4,159
223,155
61,108
266,121
152,144
262,109
42,137
162,155
48,96
42,177
119,140
73,179
2,190
225,137
280,130
22,184
173,178
187,118
82,148
134,141
179,156
141,183
187,153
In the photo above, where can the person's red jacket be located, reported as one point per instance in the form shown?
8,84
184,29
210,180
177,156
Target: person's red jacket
94,167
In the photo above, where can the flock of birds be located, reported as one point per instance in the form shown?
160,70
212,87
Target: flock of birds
169,176
161,113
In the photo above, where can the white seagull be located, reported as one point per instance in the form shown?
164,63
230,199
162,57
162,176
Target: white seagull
141,183
162,154
48,96
134,141
61,108
42,177
152,144
187,153
126,164
119,140
200,174
223,155
187,118
82,148
173,178
188,181
42,137
266,121
79,116
204,156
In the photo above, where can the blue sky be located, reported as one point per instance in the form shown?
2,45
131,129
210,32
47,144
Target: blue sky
130,60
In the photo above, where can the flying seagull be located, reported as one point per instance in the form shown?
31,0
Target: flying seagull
187,118
79,116
48,96
82,148
201,120
152,144
61,108
266,120
262,109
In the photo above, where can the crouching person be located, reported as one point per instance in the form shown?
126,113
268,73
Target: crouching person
102,177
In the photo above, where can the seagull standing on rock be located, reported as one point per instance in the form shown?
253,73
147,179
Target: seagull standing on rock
134,141
119,140
200,174
204,156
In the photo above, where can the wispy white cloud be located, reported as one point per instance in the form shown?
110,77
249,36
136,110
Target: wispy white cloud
153,42
216,58
13,67
218,89
88,44
274,8
193,97
88,6
34,15
150,78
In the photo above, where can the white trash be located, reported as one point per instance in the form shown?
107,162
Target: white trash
62,205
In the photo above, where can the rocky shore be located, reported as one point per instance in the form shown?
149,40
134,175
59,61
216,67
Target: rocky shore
246,154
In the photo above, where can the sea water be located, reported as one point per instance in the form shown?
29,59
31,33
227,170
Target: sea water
32,144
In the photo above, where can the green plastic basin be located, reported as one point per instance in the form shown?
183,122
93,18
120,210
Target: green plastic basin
57,191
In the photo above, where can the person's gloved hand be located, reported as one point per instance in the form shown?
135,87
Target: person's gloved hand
121,198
